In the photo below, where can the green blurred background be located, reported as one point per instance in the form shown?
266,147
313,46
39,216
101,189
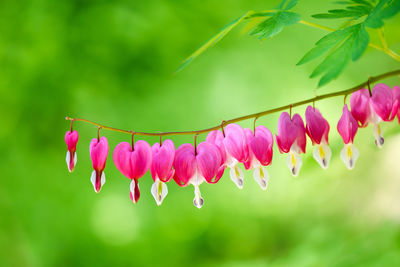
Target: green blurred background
113,62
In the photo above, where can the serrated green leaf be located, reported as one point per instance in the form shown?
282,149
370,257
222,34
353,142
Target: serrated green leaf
340,13
325,43
343,46
383,10
274,25
291,4
360,43
286,4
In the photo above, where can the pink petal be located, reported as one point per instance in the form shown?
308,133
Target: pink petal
98,153
133,164
287,133
317,127
347,126
71,139
360,106
261,145
208,160
163,158
382,101
141,159
216,137
235,142
121,157
184,164
248,164
396,102
301,132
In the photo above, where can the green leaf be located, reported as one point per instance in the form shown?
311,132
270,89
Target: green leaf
383,10
360,43
286,4
339,13
274,25
324,44
342,46
216,38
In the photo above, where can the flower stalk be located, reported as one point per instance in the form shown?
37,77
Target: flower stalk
250,116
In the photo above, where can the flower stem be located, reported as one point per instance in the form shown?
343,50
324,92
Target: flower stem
250,116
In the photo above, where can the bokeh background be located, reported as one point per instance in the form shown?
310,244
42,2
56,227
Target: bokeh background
113,62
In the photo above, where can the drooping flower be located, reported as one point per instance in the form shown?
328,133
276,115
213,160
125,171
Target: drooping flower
373,109
361,107
71,139
161,169
317,128
194,166
291,138
347,128
396,103
133,163
260,153
98,153
237,151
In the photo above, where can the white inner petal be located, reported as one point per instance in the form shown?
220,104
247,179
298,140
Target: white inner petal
322,154
349,155
159,191
294,162
377,131
198,201
236,175
93,180
103,179
261,176
67,159
132,189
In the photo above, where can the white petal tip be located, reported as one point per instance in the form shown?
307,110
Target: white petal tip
379,142
236,175
97,185
294,163
198,202
349,155
159,190
261,175
71,163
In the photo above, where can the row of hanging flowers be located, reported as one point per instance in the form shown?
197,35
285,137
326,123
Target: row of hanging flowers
233,145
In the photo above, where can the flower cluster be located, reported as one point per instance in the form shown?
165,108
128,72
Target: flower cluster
233,145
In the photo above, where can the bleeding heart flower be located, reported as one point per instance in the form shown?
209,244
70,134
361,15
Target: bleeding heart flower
133,163
382,105
373,109
347,128
396,103
98,153
317,128
260,153
237,150
361,107
71,139
194,166
161,169
291,138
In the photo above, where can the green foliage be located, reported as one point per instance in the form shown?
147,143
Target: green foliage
279,18
348,44
339,47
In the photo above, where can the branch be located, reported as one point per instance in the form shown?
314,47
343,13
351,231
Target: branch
250,116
